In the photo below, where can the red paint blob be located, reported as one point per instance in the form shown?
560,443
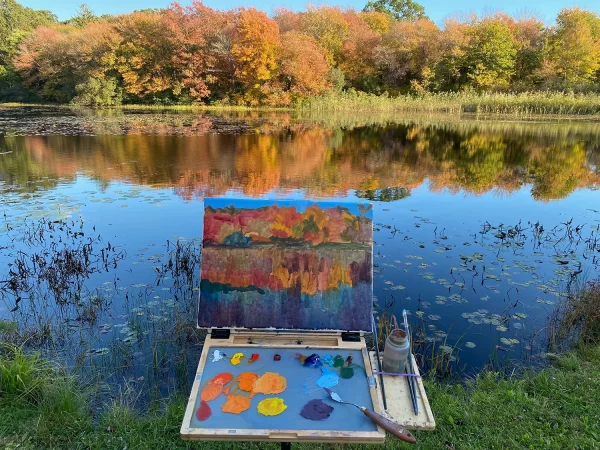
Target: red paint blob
222,378
254,357
203,412
277,357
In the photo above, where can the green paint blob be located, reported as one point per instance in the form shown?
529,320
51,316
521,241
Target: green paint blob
347,372
338,361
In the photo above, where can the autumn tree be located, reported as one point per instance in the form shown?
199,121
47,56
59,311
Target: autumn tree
450,73
408,53
255,44
398,9
302,64
16,23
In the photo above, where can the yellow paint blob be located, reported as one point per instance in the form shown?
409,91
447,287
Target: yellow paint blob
236,404
237,358
269,383
271,406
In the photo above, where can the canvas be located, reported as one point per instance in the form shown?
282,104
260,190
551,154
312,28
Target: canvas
293,264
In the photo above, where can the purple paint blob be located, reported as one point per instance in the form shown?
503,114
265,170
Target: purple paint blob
316,410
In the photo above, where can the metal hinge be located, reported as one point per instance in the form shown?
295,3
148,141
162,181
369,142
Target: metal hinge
220,333
350,336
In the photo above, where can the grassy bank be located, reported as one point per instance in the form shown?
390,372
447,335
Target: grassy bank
42,408
527,104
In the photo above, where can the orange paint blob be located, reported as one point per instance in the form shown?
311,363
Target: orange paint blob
269,383
246,381
236,404
211,391
222,378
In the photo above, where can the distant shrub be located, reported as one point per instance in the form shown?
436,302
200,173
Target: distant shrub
98,93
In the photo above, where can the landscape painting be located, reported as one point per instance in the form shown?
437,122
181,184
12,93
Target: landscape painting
286,264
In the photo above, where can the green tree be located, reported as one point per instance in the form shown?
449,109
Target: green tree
574,46
83,16
98,92
398,9
491,55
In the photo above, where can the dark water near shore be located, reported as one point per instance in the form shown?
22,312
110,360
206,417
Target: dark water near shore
482,226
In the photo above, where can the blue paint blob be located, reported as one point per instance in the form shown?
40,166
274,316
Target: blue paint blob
327,359
329,379
313,360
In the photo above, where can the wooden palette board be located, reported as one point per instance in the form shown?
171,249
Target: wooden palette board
346,424
399,402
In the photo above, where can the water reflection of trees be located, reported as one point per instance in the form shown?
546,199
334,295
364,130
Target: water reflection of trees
326,160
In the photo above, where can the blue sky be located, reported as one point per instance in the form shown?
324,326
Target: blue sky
436,9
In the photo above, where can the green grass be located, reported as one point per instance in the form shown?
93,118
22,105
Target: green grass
519,105
522,105
553,408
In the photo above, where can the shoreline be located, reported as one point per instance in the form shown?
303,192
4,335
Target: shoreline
531,105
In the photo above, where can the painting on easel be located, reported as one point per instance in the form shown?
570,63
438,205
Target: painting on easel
286,264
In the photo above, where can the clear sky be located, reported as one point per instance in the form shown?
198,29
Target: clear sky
435,9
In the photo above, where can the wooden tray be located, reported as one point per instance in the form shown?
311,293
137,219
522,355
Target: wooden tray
399,402
294,428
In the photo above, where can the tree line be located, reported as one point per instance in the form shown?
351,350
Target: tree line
194,54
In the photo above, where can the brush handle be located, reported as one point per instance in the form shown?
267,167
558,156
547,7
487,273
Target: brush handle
395,428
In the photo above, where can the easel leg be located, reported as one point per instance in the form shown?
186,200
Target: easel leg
286,446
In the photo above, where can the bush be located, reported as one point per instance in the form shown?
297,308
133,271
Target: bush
97,93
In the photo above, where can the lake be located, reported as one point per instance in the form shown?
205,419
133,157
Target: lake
482,226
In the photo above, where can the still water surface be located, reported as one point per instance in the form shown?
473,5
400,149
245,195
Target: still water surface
481,226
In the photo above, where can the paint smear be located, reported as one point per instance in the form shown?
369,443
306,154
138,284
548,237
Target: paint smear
237,358
222,378
271,406
329,379
203,412
269,383
346,372
246,381
316,410
236,404
211,391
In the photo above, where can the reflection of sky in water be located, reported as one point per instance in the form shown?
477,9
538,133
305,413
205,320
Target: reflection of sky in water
412,262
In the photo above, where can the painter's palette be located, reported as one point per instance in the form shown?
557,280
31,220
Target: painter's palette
349,375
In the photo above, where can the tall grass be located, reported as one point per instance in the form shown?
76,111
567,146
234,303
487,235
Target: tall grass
520,105
576,321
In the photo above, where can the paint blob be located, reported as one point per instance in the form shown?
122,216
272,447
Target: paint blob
246,381
253,358
348,360
222,378
211,391
346,372
203,412
236,404
269,383
329,379
277,357
313,360
327,359
218,356
237,358
316,410
271,406
338,361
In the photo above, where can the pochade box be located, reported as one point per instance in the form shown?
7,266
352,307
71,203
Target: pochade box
286,294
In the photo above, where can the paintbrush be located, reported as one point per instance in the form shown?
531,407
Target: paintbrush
379,363
411,380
